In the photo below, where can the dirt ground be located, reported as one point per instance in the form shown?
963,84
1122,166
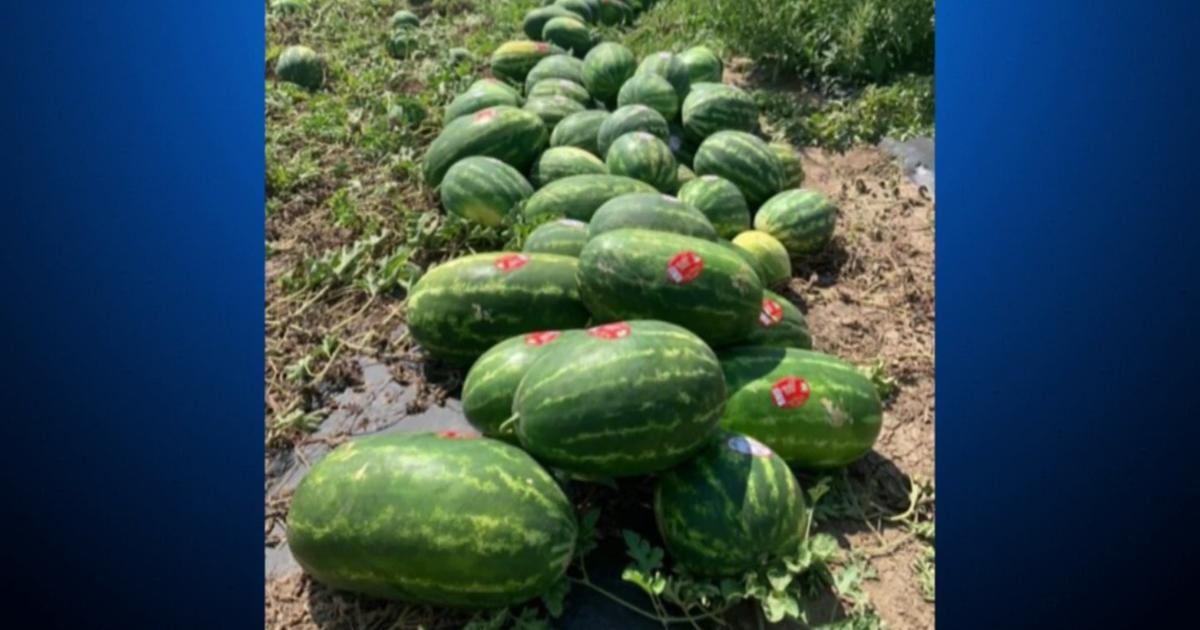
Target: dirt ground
869,297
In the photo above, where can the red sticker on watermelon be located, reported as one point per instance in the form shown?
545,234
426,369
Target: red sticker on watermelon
459,435
684,267
541,338
747,445
542,46
619,330
484,115
789,392
771,313
511,262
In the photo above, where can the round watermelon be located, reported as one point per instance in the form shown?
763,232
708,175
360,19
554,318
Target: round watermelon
402,42
491,383
668,66
569,34
626,398
817,411
563,236
771,255
555,67
552,109
579,130
559,87
731,508
535,21
708,111
483,190
585,8
559,162
780,324
509,134
650,90
443,519
789,159
629,119
743,159
404,19
703,65
644,157
605,69
300,65
721,201
803,220
614,12
650,211
513,60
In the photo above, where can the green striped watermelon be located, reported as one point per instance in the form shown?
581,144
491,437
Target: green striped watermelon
568,34
789,159
482,94
301,65
644,157
552,109
629,119
461,308
650,211
560,87
731,508
509,134
669,67
652,91
578,196
816,411
404,19
801,219
614,12
483,190
627,398
563,236
535,21
743,159
772,256
721,201
605,69
586,9
579,130
698,284
710,110
559,162
513,60
555,67
780,324
491,383
746,257
446,519
703,65
683,175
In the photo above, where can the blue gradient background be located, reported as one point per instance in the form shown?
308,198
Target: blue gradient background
133,258
133,262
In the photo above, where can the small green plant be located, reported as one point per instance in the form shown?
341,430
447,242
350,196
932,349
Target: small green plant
885,384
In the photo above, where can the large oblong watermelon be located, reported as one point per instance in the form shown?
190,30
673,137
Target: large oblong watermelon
509,134
650,211
605,68
644,157
443,519
627,398
461,308
513,60
803,220
578,196
483,190
743,159
481,95
698,284
559,162
721,201
815,410
780,324
731,508
491,383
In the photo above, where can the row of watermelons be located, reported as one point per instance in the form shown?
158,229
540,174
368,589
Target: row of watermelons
628,338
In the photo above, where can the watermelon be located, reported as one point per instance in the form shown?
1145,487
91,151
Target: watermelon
509,134
560,87
702,64
555,67
772,256
459,55
535,21
789,159
513,60
746,257
780,324
487,394
568,34
698,284
628,119
402,42
552,109
650,211
559,162
669,67
444,519
300,65
614,12
652,91
578,196
708,111
627,398
721,201
579,130
683,175
605,69
644,157
461,308
483,190
731,508
584,8
563,236
815,410
481,95
743,159
404,19
801,219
